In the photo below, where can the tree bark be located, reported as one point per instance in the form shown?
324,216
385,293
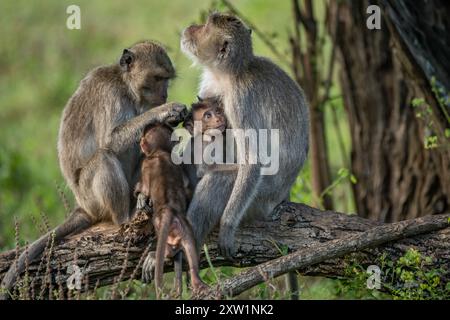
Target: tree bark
397,177
324,251
106,254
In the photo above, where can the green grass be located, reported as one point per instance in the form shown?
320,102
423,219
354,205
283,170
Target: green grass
41,63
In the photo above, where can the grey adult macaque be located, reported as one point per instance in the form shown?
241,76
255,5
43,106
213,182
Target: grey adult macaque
97,145
256,94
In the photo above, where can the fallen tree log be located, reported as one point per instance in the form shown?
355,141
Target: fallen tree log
107,254
326,250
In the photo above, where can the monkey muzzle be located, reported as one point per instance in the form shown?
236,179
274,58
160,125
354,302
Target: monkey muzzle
192,30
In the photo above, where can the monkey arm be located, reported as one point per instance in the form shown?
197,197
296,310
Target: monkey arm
126,134
244,190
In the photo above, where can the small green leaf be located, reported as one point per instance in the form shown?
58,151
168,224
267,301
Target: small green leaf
447,133
416,102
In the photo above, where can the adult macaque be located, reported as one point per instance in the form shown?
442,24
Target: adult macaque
97,144
168,188
256,94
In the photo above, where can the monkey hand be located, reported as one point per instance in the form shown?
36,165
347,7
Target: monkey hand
226,242
148,267
175,114
144,203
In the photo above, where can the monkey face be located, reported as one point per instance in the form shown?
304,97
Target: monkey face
219,42
148,69
153,90
210,112
211,118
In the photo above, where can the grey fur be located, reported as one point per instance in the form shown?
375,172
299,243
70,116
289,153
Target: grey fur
97,144
256,94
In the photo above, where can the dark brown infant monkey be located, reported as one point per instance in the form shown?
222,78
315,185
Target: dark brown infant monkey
167,186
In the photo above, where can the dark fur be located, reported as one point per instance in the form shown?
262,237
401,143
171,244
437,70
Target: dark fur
166,185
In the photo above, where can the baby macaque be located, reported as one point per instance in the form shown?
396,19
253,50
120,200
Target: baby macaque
167,186
210,113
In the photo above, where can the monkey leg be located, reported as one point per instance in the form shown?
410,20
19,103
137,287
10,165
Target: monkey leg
192,257
190,251
103,189
178,270
210,199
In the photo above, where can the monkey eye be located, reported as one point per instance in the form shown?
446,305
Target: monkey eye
207,115
159,78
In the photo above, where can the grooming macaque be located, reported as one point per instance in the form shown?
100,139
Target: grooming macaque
168,188
256,94
97,143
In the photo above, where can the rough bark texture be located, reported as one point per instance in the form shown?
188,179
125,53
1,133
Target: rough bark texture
105,253
397,177
324,251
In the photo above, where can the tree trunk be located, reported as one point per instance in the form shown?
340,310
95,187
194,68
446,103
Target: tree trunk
398,178
108,255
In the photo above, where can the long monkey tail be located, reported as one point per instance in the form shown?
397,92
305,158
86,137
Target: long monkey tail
163,235
75,223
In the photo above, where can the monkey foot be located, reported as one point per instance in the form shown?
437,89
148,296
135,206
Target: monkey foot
148,267
202,292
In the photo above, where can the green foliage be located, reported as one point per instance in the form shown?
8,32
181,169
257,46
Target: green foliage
411,277
442,97
424,112
42,63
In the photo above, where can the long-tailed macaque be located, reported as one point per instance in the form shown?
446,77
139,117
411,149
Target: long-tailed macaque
256,94
168,188
97,144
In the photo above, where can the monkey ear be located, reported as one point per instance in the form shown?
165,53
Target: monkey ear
250,31
224,49
126,60
188,123
144,147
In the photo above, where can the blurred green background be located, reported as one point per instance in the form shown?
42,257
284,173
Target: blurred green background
41,63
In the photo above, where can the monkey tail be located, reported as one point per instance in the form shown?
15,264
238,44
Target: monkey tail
163,234
75,223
